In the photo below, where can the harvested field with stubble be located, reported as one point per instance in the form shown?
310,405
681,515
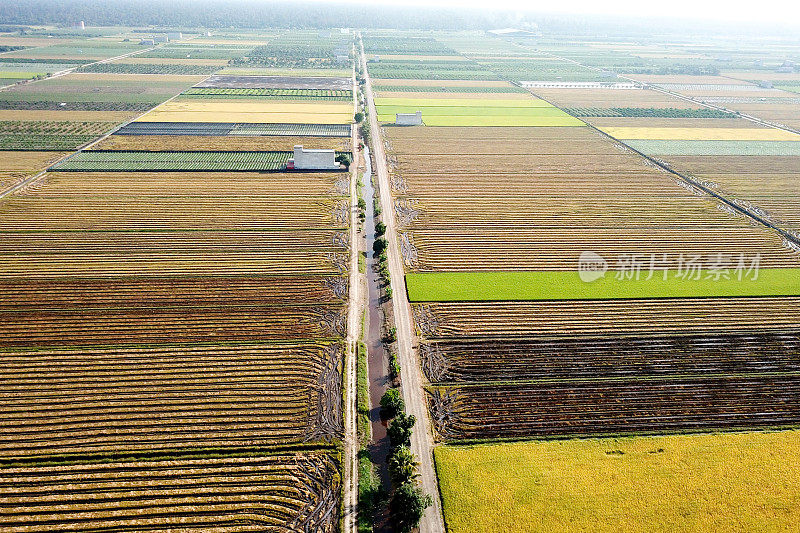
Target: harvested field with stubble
589,357
289,490
611,407
27,160
173,304
169,397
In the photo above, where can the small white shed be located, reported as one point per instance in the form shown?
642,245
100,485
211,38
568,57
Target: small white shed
312,159
408,119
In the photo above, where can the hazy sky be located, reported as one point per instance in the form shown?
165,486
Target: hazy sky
780,11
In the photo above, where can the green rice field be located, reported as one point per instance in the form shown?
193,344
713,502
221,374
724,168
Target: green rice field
567,285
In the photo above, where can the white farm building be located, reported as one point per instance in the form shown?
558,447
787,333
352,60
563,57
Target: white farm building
312,159
408,119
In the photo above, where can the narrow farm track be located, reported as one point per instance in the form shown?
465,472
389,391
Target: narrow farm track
354,312
411,376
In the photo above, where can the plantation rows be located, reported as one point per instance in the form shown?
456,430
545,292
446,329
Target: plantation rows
160,143
545,195
174,161
377,44
59,401
430,70
282,491
230,128
52,127
600,407
284,93
39,141
449,89
136,68
703,112
510,359
52,105
49,134
195,52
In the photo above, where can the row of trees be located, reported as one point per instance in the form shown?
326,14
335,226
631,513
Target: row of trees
408,502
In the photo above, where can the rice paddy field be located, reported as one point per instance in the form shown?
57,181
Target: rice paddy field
601,244
173,315
476,112
547,273
671,483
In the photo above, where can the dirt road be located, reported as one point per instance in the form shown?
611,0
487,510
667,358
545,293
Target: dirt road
410,374
354,312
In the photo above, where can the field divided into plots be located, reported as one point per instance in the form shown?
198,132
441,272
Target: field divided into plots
172,315
497,223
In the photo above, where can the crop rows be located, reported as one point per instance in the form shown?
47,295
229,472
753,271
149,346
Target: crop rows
607,317
39,141
455,71
377,44
509,359
174,161
218,142
282,491
669,112
457,89
168,397
289,94
603,407
51,127
231,128
137,68
195,52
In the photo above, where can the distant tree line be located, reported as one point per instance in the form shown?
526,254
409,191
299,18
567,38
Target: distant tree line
220,14
244,14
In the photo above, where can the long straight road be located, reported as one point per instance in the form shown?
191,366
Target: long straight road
354,311
410,373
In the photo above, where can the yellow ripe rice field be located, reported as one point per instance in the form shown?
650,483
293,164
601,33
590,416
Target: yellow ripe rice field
702,134
275,112
656,484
